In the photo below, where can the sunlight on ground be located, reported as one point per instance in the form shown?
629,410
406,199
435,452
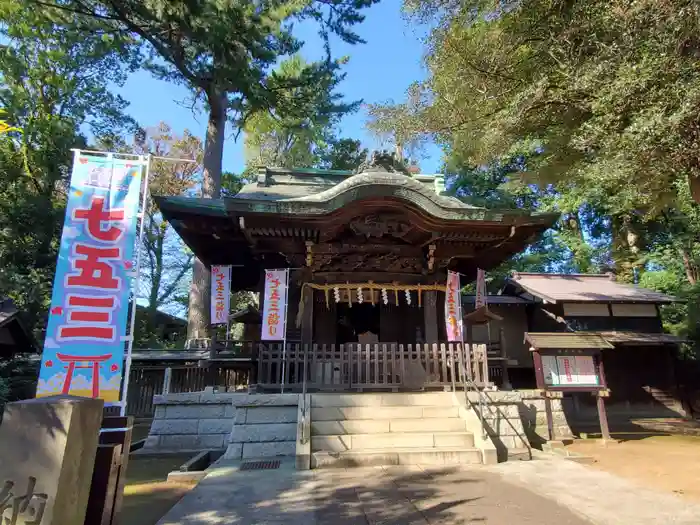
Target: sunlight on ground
670,462
147,496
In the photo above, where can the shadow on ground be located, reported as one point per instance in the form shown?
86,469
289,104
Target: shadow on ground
382,495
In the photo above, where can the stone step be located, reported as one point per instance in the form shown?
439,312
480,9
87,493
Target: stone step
391,440
380,426
382,412
423,399
395,456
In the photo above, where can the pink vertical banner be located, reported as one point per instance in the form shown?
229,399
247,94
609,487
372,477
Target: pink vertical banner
220,294
274,306
453,307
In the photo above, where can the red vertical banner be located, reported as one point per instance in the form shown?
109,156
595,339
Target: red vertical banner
453,307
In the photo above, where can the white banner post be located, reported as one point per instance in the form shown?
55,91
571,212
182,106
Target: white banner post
284,341
135,287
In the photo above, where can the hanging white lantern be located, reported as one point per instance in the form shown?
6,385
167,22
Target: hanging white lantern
408,297
360,299
336,294
385,296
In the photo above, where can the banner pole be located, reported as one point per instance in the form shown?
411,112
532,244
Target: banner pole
135,287
284,340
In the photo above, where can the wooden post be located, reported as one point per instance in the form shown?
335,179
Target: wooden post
602,414
505,384
167,378
307,328
550,419
430,316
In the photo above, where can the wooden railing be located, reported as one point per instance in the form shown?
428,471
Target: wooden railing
376,366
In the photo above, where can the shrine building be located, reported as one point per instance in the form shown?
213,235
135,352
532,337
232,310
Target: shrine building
368,338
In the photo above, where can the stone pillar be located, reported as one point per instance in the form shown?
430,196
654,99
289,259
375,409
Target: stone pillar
47,455
430,316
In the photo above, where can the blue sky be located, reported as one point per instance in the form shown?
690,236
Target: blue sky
379,71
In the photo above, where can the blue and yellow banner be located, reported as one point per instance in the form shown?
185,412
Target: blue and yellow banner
86,332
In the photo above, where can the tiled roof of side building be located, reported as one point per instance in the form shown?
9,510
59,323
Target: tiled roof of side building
584,288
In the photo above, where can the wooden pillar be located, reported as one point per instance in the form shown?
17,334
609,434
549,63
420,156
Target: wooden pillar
602,415
505,385
167,378
430,316
550,418
307,317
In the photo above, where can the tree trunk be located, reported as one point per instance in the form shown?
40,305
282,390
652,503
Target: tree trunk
691,270
199,312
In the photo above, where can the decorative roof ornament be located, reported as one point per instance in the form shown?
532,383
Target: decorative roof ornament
383,161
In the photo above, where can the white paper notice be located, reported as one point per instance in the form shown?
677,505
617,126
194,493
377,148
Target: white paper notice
549,369
586,370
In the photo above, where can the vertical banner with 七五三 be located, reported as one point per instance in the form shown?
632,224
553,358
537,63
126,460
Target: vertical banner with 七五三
86,331
220,294
453,308
274,306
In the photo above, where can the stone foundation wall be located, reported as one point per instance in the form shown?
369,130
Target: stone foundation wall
514,416
534,417
264,425
191,421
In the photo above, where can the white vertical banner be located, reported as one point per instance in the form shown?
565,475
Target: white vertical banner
274,319
453,307
220,294
480,288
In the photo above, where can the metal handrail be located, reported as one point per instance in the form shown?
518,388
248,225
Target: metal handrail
483,402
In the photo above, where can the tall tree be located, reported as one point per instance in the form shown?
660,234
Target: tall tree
167,263
52,81
224,51
608,90
297,139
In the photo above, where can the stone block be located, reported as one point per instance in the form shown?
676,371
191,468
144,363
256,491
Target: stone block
439,412
189,398
357,426
159,412
47,455
211,442
179,442
152,442
240,415
331,443
230,410
421,425
454,440
234,451
258,450
214,426
161,427
223,398
271,414
189,411
392,440
264,433
253,400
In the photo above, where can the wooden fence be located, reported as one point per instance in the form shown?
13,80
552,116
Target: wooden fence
147,381
356,366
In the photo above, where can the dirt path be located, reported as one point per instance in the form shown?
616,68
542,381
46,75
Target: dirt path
669,463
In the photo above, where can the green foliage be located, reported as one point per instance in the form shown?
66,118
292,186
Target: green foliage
296,134
52,80
343,154
17,380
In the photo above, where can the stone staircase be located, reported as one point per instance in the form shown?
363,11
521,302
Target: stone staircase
389,429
